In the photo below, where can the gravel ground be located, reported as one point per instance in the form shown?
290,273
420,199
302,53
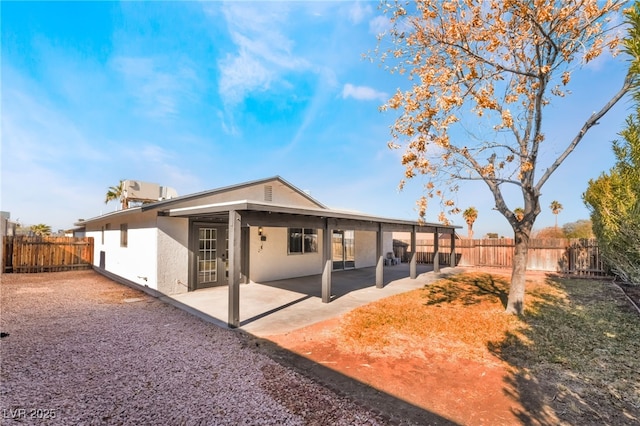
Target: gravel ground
83,350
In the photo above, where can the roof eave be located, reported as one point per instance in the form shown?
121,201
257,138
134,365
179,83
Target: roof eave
247,205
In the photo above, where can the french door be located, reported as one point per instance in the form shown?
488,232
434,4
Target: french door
211,256
344,249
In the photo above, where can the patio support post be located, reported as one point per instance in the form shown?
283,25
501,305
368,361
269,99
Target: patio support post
327,261
414,256
244,269
235,261
436,252
452,263
380,254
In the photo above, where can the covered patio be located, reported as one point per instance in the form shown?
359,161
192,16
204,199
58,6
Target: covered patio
281,306
239,216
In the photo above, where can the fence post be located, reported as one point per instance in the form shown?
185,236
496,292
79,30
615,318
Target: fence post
7,253
452,260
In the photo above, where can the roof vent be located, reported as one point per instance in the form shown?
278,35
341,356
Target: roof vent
268,193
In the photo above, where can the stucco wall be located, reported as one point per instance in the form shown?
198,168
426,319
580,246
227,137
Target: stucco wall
173,255
387,243
137,261
157,253
269,260
281,194
366,253
365,249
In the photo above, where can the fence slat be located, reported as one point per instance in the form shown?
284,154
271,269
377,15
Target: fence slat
46,254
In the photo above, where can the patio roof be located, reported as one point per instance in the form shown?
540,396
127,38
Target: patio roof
245,213
286,215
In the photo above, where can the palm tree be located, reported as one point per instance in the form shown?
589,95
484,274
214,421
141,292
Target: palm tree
556,208
519,212
117,193
470,215
40,229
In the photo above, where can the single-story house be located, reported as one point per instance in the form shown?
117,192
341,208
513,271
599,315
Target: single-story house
256,231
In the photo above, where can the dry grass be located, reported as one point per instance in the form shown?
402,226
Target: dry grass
574,353
463,314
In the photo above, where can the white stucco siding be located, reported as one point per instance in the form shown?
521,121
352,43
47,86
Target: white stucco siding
94,231
173,255
270,260
365,248
387,243
137,261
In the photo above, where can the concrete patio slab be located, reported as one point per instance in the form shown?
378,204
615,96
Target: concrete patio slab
278,307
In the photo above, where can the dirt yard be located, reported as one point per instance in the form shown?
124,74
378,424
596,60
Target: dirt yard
79,349
467,392
446,354
470,384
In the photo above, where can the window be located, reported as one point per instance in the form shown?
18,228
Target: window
124,237
303,240
102,236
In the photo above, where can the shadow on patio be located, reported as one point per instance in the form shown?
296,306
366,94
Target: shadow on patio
346,281
281,306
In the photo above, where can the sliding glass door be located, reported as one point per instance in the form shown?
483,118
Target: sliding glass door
344,249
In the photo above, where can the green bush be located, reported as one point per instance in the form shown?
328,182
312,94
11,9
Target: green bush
614,202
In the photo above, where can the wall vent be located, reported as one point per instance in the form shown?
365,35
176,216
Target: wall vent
268,193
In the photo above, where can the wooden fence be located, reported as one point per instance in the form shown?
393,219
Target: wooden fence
46,254
567,256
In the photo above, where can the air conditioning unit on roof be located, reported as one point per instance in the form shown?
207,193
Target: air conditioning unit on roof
135,190
167,192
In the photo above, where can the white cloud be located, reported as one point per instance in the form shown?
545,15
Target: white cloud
379,25
46,158
158,87
158,164
241,75
264,52
363,93
33,130
358,12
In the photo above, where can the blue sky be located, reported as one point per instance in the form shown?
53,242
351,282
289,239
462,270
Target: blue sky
197,95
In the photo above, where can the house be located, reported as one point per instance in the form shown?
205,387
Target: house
250,232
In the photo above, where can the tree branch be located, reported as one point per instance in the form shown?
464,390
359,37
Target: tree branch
592,121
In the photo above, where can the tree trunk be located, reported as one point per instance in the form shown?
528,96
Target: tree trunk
515,302
470,231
